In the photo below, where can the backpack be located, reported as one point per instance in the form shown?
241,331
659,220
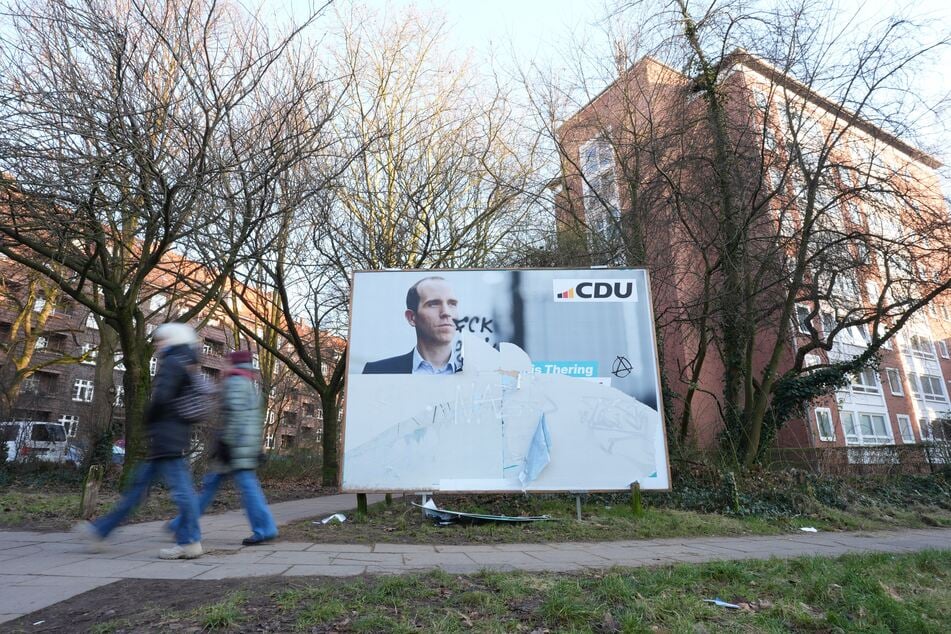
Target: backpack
196,402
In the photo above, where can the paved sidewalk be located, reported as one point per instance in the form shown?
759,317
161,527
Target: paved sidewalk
40,569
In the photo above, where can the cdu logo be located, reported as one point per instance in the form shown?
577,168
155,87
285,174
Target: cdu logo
593,290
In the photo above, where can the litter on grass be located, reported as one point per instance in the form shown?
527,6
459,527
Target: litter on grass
445,517
809,529
722,604
336,517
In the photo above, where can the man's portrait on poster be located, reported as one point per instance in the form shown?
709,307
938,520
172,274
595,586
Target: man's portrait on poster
431,309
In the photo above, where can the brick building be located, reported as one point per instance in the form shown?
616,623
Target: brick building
60,382
614,164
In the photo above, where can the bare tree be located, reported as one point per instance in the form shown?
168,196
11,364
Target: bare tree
424,173
766,145
131,136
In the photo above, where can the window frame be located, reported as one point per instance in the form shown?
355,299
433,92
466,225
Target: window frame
828,413
891,387
858,438
865,388
83,390
901,432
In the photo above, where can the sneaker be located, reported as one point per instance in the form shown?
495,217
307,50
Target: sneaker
90,535
186,551
254,540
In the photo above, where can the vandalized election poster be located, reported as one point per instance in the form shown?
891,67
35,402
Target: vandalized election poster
504,380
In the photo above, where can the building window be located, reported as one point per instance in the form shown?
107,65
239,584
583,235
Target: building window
91,322
256,361
926,386
904,428
39,304
600,186
213,348
157,301
865,429
866,382
943,349
269,441
894,382
309,409
824,424
118,362
71,423
41,343
119,401
287,441
153,366
89,352
56,343
921,347
82,390
30,385
935,430
802,318
211,373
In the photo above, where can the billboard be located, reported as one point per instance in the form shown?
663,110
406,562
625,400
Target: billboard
503,380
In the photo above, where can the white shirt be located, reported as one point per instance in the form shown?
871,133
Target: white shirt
422,366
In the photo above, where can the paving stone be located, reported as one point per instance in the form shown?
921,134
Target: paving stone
465,548
513,559
9,617
95,568
227,571
379,559
462,569
404,548
324,571
298,557
341,548
432,560
170,570
39,564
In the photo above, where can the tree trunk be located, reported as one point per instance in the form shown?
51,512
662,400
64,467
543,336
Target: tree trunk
330,468
98,432
137,382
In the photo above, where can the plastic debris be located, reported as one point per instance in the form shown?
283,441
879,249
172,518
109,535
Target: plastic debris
39,622
809,529
336,517
445,517
722,604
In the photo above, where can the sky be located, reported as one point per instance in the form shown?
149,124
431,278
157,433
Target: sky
536,31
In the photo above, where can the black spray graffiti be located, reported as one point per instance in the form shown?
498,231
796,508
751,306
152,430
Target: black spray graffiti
475,325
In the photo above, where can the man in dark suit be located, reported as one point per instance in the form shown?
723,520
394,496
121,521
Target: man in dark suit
431,308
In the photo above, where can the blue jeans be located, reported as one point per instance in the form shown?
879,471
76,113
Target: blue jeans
252,497
179,481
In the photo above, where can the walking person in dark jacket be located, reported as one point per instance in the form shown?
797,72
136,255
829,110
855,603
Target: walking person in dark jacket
237,447
169,437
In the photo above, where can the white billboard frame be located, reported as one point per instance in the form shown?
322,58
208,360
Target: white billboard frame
578,276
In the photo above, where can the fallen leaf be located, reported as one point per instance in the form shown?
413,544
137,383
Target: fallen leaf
890,592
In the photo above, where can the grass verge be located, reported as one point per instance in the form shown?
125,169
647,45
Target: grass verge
862,592
604,519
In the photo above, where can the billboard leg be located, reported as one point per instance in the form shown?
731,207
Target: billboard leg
423,498
578,503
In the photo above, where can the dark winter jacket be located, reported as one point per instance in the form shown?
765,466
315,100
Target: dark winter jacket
169,435
242,417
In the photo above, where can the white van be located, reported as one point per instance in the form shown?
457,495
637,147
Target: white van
33,440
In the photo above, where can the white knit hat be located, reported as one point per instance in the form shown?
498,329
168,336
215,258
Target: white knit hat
175,334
